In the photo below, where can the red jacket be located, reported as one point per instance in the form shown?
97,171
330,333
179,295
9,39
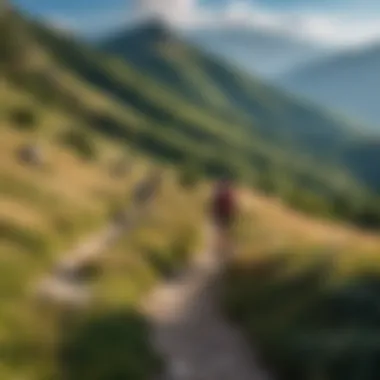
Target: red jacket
224,202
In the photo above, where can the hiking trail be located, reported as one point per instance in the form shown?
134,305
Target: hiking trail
197,343
66,283
188,328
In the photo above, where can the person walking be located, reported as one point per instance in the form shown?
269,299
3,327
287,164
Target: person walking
224,210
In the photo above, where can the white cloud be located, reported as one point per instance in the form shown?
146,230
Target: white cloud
175,11
343,29
334,29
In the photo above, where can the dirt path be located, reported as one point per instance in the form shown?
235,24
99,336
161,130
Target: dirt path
67,283
190,332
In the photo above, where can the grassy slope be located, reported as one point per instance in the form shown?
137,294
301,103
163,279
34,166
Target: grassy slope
156,119
247,105
168,59
303,288
55,207
72,189
128,271
49,209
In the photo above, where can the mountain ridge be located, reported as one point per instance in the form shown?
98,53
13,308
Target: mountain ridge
348,82
227,79
261,53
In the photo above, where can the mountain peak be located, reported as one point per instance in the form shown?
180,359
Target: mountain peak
153,30
156,25
150,32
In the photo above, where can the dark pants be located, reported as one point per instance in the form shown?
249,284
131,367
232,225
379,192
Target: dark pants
223,221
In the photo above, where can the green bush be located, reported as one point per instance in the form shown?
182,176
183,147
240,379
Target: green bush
24,118
110,346
303,328
190,175
368,216
81,143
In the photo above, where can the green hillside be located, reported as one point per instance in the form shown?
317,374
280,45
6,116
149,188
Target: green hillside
54,204
85,112
173,101
220,88
223,90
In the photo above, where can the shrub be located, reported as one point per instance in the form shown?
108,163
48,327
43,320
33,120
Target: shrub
24,118
81,142
190,175
368,216
113,345
305,329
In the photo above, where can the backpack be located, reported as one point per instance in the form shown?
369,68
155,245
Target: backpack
224,203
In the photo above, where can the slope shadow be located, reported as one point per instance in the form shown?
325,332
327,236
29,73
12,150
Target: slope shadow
306,328
109,346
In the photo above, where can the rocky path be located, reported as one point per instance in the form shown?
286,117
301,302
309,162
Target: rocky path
190,332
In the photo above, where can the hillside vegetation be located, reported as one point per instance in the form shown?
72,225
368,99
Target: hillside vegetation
172,101
60,182
305,294
71,114
50,207
250,107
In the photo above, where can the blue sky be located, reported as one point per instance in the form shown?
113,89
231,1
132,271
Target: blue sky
337,21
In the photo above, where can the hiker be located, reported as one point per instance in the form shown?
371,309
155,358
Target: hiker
224,214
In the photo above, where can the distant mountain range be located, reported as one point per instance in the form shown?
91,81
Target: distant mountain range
348,82
258,52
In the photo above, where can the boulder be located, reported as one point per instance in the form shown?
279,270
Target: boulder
31,154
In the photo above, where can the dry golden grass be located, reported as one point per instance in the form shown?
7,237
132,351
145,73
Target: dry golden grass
75,182
268,227
280,220
24,214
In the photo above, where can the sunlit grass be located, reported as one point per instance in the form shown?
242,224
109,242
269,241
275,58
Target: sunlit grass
285,291
47,211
